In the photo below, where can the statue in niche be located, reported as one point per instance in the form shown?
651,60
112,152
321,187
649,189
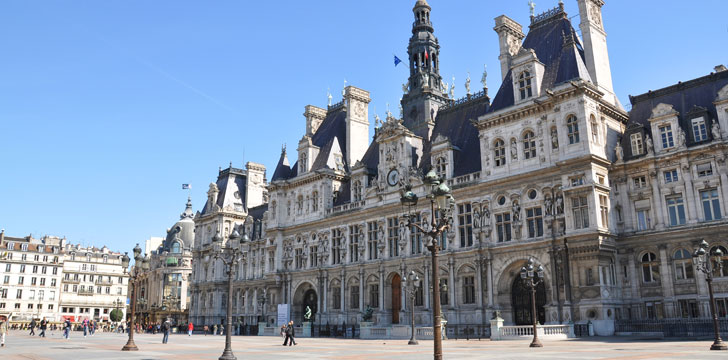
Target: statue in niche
619,152
554,138
715,130
514,149
425,79
650,145
516,208
485,216
681,137
548,204
559,204
476,218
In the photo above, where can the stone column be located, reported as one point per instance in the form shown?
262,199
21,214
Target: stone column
343,291
491,288
402,289
451,282
633,278
657,209
361,288
692,216
325,307
666,281
479,281
721,169
381,291
426,286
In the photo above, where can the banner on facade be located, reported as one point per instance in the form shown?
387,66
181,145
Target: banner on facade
282,314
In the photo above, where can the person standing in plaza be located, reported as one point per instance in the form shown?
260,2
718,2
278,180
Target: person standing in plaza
205,329
67,329
3,330
190,327
165,329
32,327
214,329
85,327
291,332
43,326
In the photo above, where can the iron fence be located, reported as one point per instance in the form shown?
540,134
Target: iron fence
672,327
467,331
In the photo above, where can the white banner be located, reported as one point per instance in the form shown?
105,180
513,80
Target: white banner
282,314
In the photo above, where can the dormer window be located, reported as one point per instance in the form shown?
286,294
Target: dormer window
441,167
499,152
303,163
700,133
666,136
636,142
356,190
529,145
572,125
524,85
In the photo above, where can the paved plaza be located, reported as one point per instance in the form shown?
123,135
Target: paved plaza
106,346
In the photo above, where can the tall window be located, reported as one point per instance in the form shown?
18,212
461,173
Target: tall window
639,182
581,212
304,163
572,125
683,265
503,226
534,219
354,297
393,236
353,243
524,85
711,204
643,219
724,270
313,256
374,295
604,210
419,296
705,169
675,210
499,152
314,200
529,145
441,166
468,290
650,268
416,236
700,133
689,308
636,142
594,129
299,258
465,224
336,238
666,136
372,240
336,290
670,176
356,190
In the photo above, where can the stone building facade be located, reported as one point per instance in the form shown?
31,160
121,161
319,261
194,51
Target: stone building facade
540,171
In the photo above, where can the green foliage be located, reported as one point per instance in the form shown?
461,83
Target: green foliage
116,315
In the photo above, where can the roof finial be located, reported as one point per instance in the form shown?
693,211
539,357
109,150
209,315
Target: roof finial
343,91
328,95
484,79
283,148
532,6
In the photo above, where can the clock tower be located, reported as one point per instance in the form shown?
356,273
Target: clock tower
425,92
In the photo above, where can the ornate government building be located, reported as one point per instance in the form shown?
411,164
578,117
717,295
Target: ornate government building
610,202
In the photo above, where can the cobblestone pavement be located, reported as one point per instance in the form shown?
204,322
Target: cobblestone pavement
107,346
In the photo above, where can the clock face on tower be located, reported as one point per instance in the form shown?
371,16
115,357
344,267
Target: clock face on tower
393,177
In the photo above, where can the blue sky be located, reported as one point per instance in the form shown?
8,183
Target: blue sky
107,107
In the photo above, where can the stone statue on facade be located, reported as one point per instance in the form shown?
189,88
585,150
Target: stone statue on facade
548,204
680,137
484,79
514,149
715,130
444,86
650,145
405,88
516,208
476,218
452,88
559,204
554,139
425,79
467,84
328,95
619,152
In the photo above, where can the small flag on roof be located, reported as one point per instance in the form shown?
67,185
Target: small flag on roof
186,186
427,56
397,60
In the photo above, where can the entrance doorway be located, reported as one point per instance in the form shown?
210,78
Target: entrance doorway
310,299
396,298
521,301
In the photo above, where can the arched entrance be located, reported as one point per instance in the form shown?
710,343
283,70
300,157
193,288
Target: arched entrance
521,301
305,295
396,298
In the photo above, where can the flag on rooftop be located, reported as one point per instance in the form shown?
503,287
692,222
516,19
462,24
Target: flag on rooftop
396,60
186,186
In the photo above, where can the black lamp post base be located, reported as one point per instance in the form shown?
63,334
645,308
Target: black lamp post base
536,343
412,342
130,346
227,355
719,345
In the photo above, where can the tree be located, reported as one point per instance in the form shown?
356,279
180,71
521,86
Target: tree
116,315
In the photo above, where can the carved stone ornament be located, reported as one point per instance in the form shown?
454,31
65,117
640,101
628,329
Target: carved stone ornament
663,109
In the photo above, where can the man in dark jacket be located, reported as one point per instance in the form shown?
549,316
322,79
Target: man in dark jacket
32,327
165,330
291,333
43,326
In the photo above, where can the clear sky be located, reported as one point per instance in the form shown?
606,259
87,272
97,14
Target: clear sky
107,107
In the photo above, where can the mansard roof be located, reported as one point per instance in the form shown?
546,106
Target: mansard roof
229,181
556,45
685,97
258,211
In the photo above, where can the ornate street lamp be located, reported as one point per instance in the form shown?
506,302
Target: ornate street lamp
261,303
141,264
441,196
414,284
533,276
707,264
229,254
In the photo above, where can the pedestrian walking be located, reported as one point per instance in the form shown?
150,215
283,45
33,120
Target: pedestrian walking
190,327
214,329
3,330
85,327
284,334
67,329
92,326
32,327
291,333
165,329
43,326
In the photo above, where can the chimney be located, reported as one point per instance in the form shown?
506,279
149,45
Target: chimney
357,123
510,35
314,117
595,47
720,68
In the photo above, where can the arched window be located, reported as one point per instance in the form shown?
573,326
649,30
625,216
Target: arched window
356,190
724,259
441,167
650,268
572,125
314,201
303,163
499,152
524,85
175,248
594,129
683,265
529,145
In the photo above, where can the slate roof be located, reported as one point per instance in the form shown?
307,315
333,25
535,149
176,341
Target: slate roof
258,211
685,98
225,186
558,48
283,169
